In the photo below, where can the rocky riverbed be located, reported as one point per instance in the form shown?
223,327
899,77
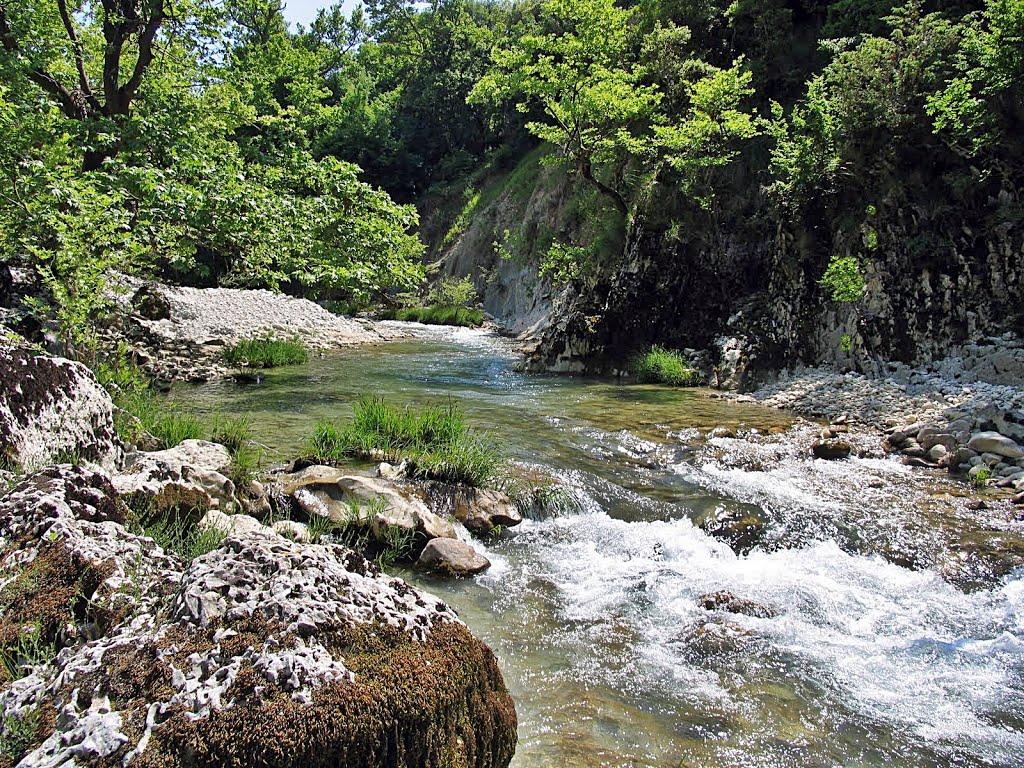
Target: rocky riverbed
964,413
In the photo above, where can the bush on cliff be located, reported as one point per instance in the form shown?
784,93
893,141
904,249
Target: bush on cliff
436,440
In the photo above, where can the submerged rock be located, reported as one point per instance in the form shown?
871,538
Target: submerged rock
742,528
263,652
453,557
52,408
831,449
727,601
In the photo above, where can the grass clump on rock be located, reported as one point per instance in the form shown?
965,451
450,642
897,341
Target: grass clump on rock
266,352
438,315
436,440
664,366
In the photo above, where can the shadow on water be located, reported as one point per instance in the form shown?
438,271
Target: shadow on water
596,616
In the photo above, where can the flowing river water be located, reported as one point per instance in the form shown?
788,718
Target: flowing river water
595,614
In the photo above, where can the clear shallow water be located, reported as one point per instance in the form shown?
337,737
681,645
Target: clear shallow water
595,615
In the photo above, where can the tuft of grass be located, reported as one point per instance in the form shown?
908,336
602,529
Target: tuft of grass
19,735
980,478
143,411
438,315
28,649
266,352
235,434
436,440
175,533
664,366
539,499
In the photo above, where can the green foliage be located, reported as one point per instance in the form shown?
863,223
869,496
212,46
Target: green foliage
976,107
201,168
265,352
27,650
844,279
979,479
846,343
664,366
178,533
452,292
19,734
436,440
564,263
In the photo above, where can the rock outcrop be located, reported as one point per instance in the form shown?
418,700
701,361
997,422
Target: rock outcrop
190,476
452,557
383,505
264,652
50,408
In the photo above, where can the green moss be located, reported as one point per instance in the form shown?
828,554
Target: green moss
438,703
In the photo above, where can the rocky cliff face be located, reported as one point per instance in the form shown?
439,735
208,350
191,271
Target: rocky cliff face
936,284
264,652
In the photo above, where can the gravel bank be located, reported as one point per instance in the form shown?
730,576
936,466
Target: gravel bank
179,333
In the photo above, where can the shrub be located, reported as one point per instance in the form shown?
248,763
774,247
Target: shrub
266,352
19,735
436,440
664,366
452,292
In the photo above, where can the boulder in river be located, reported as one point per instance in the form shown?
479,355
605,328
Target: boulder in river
384,504
831,449
483,510
453,557
260,653
727,601
52,409
993,442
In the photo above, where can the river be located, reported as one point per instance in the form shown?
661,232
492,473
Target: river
595,614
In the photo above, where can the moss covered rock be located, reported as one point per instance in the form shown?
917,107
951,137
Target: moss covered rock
51,407
263,652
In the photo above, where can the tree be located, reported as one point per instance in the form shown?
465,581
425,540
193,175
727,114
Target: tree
43,41
579,69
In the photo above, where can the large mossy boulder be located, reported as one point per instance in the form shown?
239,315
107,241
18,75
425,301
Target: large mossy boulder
263,652
52,408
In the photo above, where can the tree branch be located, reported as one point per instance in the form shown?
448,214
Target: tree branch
76,46
71,106
157,16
